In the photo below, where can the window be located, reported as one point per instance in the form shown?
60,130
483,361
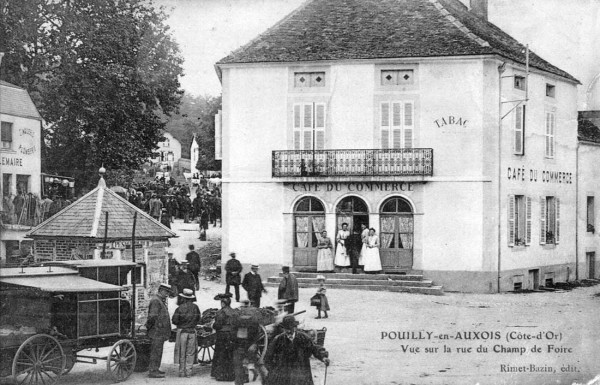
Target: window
550,90
549,220
519,131
397,123
309,79
6,134
309,126
550,127
397,77
591,223
519,220
520,82
23,184
6,184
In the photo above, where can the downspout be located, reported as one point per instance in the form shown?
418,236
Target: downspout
501,69
577,211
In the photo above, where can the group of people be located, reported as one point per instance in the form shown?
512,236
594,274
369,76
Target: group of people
352,249
29,209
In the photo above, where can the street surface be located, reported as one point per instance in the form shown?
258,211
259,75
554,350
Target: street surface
365,328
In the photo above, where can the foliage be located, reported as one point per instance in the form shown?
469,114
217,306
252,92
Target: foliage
103,74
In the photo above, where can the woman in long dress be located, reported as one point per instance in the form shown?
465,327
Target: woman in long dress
324,256
222,364
364,235
342,258
371,258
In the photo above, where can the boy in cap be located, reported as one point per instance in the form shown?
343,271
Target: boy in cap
253,285
186,317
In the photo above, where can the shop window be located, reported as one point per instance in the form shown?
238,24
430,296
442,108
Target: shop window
519,82
550,129
6,135
397,77
309,79
309,222
549,220
6,184
591,228
23,186
396,124
519,131
550,90
519,220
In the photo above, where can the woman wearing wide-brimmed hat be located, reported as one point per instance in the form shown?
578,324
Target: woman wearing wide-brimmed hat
186,317
222,363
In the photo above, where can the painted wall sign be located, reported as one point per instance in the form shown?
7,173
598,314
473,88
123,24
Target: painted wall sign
533,175
353,186
12,161
451,120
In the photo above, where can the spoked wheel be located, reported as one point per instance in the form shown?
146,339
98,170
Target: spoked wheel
206,350
39,360
121,360
262,341
70,362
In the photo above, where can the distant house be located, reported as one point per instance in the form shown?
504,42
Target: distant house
168,152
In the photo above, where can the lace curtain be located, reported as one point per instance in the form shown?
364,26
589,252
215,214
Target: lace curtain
318,226
302,231
387,231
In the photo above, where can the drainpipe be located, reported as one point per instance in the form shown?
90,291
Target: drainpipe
501,69
577,211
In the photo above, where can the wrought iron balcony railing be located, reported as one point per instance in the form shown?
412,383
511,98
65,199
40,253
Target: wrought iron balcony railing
326,163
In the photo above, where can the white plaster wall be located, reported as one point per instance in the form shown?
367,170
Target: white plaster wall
589,185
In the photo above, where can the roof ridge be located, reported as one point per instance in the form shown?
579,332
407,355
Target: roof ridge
284,19
458,24
97,213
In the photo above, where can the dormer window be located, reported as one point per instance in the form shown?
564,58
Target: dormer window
309,79
550,90
397,77
520,82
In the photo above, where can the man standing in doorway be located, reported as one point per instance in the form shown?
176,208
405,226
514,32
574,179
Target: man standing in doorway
159,329
193,259
288,290
253,285
233,271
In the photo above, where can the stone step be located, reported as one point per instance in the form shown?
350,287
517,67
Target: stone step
432,290
334,282
370,277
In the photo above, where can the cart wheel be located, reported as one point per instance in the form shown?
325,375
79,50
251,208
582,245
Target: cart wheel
262,341
70,362
121,360
39,360
205,353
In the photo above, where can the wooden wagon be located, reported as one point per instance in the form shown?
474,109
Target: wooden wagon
50,314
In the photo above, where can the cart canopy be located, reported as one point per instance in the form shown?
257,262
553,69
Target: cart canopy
58,280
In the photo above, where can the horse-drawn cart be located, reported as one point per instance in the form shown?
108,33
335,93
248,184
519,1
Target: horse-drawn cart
49,315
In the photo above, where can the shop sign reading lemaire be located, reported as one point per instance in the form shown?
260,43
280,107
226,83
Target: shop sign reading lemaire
522,174
351,186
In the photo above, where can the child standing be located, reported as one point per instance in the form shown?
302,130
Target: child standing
324,303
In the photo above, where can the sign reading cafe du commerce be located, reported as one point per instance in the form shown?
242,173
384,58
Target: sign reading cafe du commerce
352,186
533,175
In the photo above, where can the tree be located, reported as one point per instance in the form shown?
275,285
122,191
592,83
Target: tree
104,75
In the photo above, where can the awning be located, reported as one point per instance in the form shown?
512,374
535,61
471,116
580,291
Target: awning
61,284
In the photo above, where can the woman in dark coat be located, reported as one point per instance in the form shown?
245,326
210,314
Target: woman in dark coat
288,356
222,364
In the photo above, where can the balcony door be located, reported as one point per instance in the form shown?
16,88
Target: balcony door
309,126
396,236
309,222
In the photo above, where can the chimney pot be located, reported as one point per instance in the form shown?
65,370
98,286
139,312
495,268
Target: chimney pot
479,8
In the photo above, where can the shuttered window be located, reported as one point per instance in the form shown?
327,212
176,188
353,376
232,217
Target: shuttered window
519,220
519,130
549,220
6,134
309,122
550,131
396,124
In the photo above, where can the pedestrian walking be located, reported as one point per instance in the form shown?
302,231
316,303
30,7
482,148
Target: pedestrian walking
325,253
222,363
253,285
186,317
320,298
159,329
288,356
233,271
193,259
288,289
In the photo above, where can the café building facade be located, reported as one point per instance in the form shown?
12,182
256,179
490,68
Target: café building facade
417,118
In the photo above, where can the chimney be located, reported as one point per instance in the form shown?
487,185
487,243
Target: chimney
479,8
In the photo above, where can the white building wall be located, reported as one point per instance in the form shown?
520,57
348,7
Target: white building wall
589,186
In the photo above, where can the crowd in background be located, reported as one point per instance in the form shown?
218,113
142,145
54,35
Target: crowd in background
29,209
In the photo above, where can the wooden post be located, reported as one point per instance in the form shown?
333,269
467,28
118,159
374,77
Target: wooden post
133,277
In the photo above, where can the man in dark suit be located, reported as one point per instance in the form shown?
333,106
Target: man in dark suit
253,285
233,271
159,329
353,246
288,289
193,259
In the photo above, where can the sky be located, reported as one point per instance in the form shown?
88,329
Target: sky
564,32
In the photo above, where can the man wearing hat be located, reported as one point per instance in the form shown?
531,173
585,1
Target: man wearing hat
233,271
253,285
185,279
186,317
288,289
159,329
288,356
193,259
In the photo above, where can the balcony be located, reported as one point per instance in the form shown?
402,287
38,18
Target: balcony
368,163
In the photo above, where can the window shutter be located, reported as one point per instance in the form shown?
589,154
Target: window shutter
308,140
307,124
511,220
6,132
297,140
385,125
542,220
528,220
552,118
320,127
547,134
557,221
297,127
518,147
408,125
396,125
